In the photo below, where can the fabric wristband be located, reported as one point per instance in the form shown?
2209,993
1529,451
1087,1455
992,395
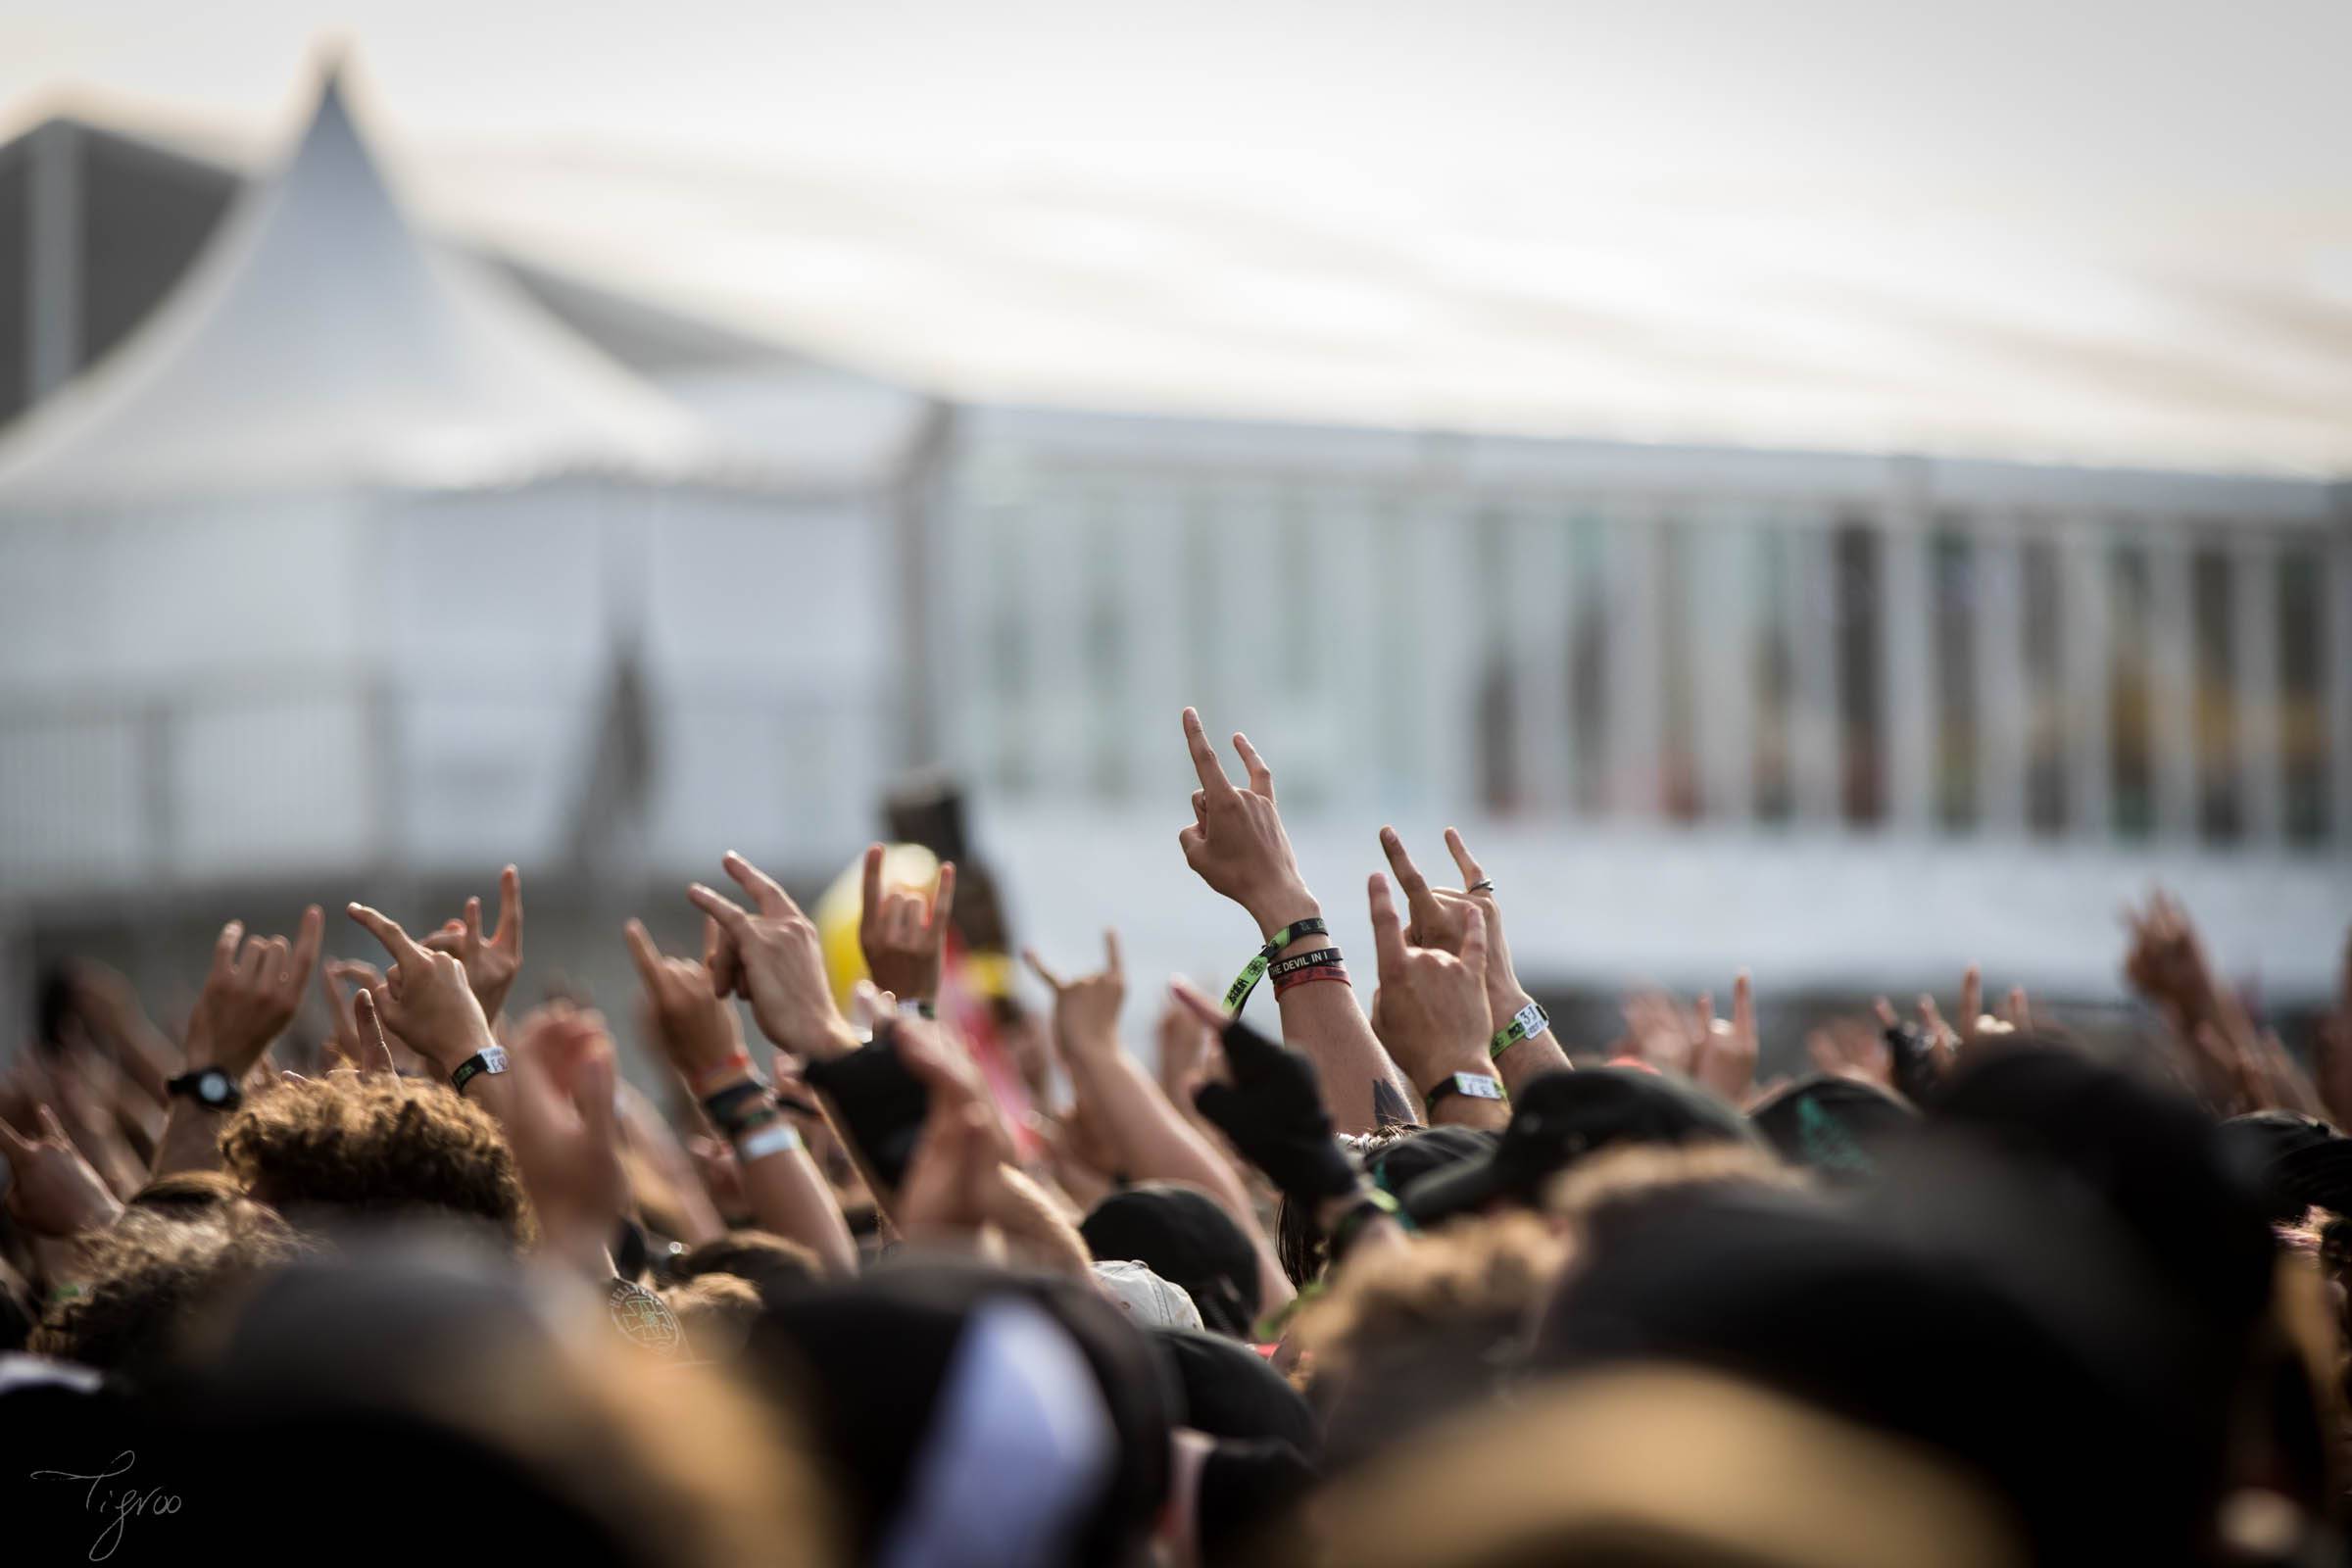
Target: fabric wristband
1254,970
1308,974
1526,1024
1321,958
737,1106
777,1137
1469,1085
739,1065
490,1059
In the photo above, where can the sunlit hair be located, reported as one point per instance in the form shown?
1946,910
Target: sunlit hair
189,1193
1494,1270
773,1265
715,1313
1640,1173
147,1275
377,1147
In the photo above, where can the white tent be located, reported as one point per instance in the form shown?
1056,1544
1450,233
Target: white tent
323,342
329,563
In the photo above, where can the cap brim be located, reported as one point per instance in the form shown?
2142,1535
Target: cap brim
1461,1188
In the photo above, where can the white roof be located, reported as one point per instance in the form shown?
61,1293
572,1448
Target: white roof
320,343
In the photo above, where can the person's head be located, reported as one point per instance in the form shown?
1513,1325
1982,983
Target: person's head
1563,1117
148,1275
541,1423
1406,1335
1835,1127
188,1194
949,1398
775,1267
1181,1234
350,1148
715,1313
1394,1157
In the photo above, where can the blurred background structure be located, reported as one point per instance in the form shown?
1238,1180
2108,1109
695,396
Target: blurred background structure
338,556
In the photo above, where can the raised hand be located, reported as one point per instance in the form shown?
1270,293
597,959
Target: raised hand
904,931
1431,1010
1086,1010
773,958
692,1023
491,963
1438,917
250,994
1236,840
55,1192
562,1120
425,999
1725,1059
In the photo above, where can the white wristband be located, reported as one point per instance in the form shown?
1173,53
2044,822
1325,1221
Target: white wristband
778,1137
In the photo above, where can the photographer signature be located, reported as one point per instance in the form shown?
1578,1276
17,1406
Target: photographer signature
120,1505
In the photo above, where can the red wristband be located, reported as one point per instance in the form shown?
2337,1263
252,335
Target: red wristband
720,1074
1307,977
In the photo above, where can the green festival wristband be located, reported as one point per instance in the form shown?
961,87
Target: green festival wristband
1526,1024
1255,969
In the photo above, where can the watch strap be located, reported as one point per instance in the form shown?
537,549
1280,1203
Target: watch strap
490,1059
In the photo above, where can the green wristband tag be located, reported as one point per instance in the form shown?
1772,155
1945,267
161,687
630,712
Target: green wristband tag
1255,969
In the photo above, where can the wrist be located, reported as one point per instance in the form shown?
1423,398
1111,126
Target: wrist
1284,908
835,1039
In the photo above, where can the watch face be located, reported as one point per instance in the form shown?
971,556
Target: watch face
215,1088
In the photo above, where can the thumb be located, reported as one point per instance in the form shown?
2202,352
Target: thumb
51,1130
15,1146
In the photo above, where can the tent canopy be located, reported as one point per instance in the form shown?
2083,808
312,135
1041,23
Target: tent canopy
321,343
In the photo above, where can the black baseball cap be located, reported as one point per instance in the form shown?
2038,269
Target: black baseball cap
2299,1161
1559,1119
1184,1236
1832,1125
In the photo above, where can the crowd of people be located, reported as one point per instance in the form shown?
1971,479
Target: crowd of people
917,1276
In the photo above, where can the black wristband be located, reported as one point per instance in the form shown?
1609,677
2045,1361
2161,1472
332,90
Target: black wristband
1254,970
1373,1206
1320,958
491,1060
738,1106
881,1104
1470,1085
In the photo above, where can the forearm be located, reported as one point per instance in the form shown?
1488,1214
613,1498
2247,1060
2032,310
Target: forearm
1323,1023
191,1140
1034,1230
1155,1140
788,1195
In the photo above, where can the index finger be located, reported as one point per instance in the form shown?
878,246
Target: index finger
1743,1005
766,890
1204,756
387,931
718,907
1409,875
510,911
1464,861
1388,937
647,957
1111,952
224,947
308,937
1037,967
869,899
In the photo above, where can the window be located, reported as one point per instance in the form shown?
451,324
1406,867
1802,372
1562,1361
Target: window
2213,680
2130,695
1951,588
1862,758
2303,695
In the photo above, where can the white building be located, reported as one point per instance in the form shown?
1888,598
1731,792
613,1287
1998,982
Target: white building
1842,718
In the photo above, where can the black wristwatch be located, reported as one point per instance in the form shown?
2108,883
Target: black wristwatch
1469,1085
209,1087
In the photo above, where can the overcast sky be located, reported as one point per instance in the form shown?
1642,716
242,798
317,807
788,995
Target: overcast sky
2089,230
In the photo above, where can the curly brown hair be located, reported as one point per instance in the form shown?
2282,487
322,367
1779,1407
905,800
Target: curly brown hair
376,1145
149,1274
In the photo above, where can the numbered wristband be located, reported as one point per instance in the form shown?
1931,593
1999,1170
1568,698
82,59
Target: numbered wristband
492,1060
1469,1085
1254,970
1526,1024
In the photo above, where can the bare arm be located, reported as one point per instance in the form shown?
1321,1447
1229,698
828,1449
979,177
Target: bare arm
249,997
1237,845
1153,1139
